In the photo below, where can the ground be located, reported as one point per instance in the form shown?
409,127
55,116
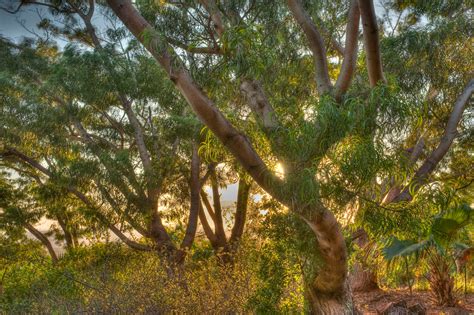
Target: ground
373,302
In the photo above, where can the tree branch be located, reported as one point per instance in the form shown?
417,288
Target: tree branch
204,108
216,198
240,211
211,7
350,53
259,104
44,240
449,135
316,45
30,161
371,42
195,50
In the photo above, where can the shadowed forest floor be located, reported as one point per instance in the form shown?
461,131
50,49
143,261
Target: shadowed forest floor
375,301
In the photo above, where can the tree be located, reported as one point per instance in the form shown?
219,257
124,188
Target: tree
93,155
341,139
301,189
19,211
94,148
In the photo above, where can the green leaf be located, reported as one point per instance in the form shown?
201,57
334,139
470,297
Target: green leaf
403,248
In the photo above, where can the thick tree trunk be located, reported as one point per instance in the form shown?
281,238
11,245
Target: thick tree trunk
329,292
331,304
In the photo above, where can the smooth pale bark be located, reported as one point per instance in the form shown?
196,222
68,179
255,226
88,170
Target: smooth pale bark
211,7
371,42
261,107
44,240
316,45
349,62
329,290
450,133
236,142
267,119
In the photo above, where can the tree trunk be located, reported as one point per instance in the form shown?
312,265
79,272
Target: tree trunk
362,279
67,234
329,292
44,240
331,304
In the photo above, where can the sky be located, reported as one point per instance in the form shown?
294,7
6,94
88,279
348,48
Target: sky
11,24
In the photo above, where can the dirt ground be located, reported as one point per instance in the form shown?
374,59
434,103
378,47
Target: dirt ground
373,302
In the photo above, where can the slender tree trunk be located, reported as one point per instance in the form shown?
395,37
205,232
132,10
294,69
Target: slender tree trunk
44,240
240,214
362,279
75,238
67,234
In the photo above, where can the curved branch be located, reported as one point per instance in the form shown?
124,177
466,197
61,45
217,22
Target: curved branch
316,45
44,240
33,163
435,157
204,108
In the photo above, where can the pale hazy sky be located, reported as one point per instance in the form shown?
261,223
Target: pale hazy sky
10,24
